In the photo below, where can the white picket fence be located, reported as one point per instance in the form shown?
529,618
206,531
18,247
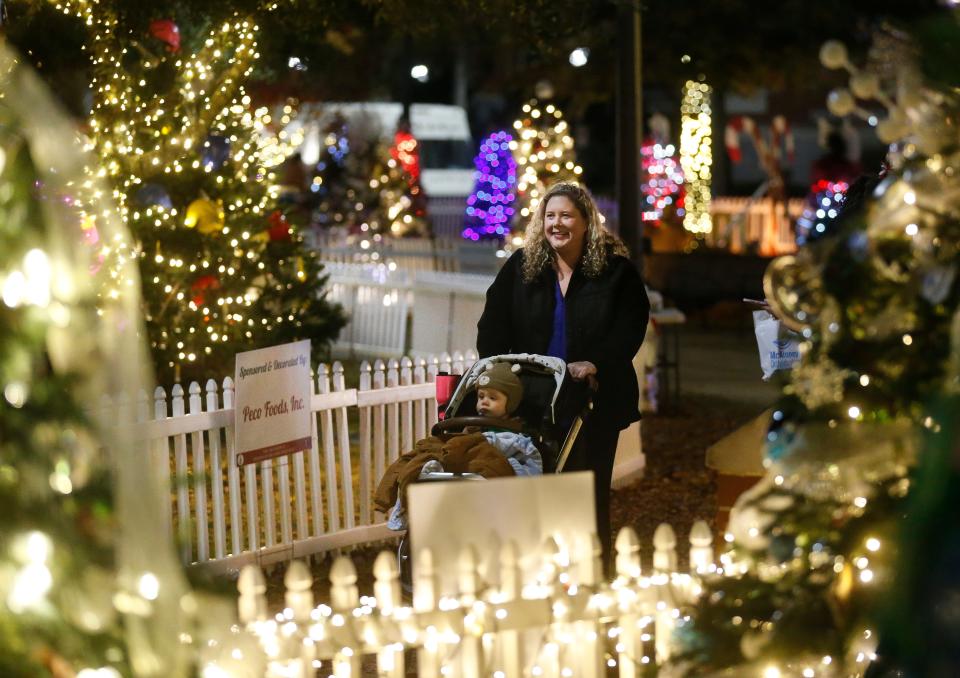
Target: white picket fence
308,502
446,254
556,620
377,310
441,309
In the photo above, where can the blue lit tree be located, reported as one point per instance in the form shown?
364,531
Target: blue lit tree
490,207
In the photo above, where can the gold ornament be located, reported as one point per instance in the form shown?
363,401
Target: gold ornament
205,215
793,289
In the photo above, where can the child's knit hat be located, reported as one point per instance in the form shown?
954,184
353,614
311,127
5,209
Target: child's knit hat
503,377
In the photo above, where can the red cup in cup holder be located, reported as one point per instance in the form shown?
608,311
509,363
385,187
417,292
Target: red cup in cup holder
445,385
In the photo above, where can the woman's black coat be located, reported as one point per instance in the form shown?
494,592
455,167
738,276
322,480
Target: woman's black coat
606,319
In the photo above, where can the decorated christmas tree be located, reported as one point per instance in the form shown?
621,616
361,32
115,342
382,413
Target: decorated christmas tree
812,584
543,149
398,211
490,206
342,179
191,167
363,183
662,187
89,581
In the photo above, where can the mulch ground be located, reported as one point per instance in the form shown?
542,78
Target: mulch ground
677,487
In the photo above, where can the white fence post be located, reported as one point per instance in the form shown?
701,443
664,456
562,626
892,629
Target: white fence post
233,475
366,461
379,429
701,547
316,486
343,438
406,378
420,405
664,563
199,477
344,599
300,490
216,477
386,589
183,496
471,644
299,601
329,456
266,485
511,586
252,603
161,454
425,600
286,516
393,414
630,642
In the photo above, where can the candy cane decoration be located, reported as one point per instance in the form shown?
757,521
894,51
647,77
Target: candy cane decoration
781,136
731,138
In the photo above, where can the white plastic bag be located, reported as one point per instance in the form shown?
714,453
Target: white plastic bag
779,346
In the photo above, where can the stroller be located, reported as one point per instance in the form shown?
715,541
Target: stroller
551,413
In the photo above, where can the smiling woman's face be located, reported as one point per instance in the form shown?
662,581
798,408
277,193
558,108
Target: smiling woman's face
564,227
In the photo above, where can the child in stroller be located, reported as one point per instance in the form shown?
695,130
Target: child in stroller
549,409
499,392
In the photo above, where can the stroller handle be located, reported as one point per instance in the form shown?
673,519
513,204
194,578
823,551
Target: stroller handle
496,422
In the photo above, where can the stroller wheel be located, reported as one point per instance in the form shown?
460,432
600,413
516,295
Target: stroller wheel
405,565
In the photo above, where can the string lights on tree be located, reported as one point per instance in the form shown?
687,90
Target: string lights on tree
544,152
192,168
490,207
89,582
366,186
696,155
663,183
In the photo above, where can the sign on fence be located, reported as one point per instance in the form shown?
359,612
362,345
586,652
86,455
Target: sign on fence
272,408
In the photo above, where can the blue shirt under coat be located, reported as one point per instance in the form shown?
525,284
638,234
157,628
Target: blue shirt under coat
558,340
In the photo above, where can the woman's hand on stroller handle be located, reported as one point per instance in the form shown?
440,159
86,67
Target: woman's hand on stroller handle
584,370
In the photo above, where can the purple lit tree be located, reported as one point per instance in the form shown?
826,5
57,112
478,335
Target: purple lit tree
490,208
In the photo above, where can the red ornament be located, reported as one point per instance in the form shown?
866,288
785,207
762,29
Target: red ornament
406,151
279,227
200,287
166,31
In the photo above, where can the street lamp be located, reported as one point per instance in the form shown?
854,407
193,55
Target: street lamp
579,57
420,72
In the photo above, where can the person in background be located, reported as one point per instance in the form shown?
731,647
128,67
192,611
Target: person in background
571,292
835,166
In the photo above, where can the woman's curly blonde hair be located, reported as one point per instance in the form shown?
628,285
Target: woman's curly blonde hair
600,243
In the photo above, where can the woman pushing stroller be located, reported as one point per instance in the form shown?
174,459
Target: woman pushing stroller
571,292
